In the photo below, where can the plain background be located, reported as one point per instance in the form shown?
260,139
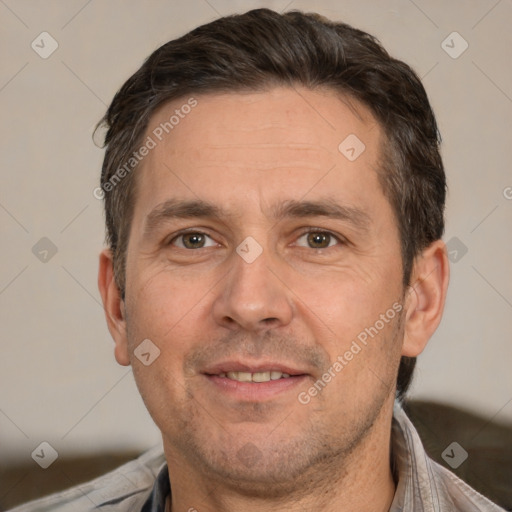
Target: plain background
59,381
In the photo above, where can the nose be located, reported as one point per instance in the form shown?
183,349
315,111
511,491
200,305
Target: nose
253,296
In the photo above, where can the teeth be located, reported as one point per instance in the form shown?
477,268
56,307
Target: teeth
255,377
240,376
261,377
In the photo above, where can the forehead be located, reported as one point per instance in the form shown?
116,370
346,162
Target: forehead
314,119
267,146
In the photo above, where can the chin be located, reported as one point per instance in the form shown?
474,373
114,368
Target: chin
266,467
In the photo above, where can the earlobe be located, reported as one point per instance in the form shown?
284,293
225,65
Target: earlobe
113,306
425,298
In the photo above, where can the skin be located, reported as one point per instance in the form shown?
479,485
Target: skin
300,303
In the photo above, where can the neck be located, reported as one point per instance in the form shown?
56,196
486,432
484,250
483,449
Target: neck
359,482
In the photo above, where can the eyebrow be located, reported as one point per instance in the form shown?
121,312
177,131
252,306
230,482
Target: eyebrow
181,209
192,209
323,208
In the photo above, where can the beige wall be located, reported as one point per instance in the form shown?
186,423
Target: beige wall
58,379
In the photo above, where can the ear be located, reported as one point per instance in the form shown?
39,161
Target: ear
425,298
113,306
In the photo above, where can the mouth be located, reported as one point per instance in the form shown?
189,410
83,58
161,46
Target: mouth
254,383
264,376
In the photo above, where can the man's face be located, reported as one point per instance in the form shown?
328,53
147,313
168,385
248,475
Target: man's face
257,246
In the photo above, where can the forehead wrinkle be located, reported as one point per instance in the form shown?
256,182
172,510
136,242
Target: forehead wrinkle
263,156
288,148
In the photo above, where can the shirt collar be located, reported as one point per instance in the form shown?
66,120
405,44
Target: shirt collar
158,496
415,489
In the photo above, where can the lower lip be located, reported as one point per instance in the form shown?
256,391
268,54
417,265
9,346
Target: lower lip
255,391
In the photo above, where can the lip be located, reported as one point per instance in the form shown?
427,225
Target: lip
253,391
238,366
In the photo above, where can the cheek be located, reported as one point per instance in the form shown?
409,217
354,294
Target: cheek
356,319
164,311
163,391
166,304
345,302
364,366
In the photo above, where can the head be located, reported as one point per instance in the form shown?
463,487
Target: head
243,121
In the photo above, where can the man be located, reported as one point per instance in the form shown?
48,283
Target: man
274,202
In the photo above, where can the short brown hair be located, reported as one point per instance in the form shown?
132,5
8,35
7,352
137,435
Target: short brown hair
260,49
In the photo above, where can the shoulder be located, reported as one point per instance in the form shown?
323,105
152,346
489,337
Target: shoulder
457,494
424,484
125,488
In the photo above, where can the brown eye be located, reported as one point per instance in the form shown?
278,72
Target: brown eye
318,240
194,240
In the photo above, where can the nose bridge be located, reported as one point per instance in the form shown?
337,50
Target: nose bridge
252,297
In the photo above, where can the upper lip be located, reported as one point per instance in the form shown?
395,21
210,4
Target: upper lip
240,366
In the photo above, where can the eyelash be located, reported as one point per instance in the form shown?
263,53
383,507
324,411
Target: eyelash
339,239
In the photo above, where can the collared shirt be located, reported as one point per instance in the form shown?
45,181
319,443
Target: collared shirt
143,484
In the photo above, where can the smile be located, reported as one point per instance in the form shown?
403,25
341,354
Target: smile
264,376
